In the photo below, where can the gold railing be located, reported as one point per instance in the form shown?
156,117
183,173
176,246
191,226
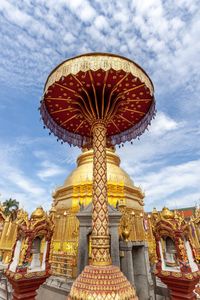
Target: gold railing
64,265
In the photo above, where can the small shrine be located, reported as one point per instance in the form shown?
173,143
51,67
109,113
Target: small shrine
177,265
29,266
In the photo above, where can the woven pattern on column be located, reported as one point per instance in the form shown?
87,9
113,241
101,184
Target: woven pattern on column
100,233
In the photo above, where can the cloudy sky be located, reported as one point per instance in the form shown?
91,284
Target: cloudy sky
162,36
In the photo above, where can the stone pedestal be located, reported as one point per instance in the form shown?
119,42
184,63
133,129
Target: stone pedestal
127,260
54,288
180,288
26,289
161,289
85,220
135,265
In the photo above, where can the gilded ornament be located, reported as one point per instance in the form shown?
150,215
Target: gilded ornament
182,250
23,252
125,233
18,276
165,273
167,214
38,213
176,274
188,275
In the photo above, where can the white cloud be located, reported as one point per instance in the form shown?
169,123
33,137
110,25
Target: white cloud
162,124
22,182
12,175
101,23
13,14
162,36
171,179
50,170
182,200
132,28
69,37
162,162
20,178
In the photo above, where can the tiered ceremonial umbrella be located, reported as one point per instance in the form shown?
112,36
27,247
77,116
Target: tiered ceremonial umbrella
98,99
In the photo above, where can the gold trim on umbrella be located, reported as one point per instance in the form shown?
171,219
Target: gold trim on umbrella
93,62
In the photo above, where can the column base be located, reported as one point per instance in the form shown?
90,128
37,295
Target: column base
102,282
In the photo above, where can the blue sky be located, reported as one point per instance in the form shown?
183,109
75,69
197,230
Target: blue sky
162,36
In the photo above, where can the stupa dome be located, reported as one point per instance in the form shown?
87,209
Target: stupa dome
83,172
77,187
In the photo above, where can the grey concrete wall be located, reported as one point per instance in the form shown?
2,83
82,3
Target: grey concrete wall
54,288
135,265
50,293
142,272
83,248
114,238
85,221
126,261
3,294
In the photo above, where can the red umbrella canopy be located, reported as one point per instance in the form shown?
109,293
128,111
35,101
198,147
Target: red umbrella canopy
95,87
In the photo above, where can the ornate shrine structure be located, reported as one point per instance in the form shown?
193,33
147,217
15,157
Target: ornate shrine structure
29,266
8,233
191,217
177,265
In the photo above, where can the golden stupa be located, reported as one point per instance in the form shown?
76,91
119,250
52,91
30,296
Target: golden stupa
77,188
76,192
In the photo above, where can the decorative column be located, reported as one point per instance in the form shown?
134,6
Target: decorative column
100,232
101,280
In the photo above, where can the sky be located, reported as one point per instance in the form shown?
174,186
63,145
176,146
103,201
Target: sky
161,36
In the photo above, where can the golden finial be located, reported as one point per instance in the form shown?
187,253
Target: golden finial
38,213
167,214
154,211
